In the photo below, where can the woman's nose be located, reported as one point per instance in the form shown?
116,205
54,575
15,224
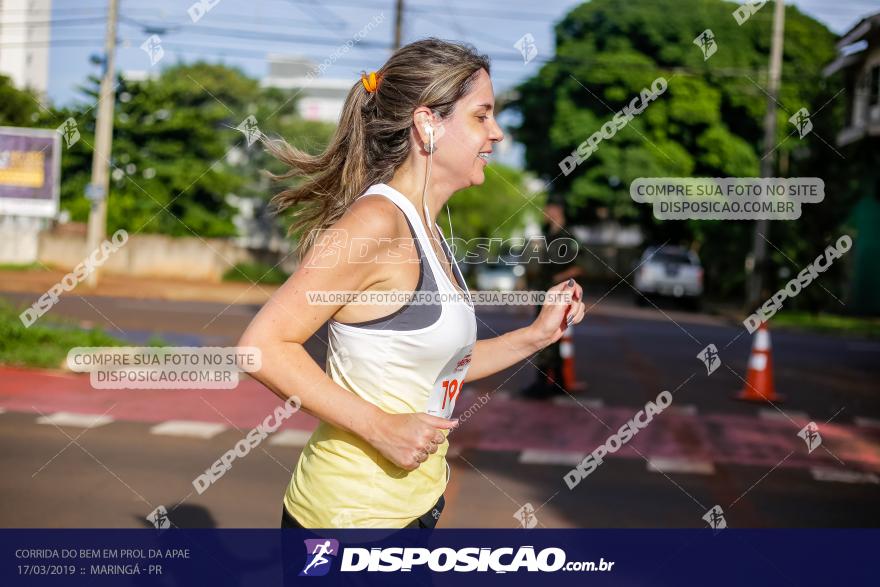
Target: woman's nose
498,134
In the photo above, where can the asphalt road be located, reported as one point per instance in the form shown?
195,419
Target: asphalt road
706,450
115,475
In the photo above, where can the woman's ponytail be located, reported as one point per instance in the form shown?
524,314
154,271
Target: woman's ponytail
373,136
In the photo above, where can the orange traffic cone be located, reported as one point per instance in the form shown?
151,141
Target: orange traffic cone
759,378
566,350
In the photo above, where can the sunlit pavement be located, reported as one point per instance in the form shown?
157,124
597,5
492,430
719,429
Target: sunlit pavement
114,475
706,449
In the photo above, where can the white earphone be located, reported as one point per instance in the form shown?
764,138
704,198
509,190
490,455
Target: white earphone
429,148
429,130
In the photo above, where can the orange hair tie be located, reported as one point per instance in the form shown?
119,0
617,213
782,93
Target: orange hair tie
371,81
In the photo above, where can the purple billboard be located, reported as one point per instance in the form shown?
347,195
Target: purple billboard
30,171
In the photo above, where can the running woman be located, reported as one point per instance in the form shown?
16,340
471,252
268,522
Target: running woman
410,135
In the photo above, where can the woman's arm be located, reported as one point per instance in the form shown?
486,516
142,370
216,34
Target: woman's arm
287,370
290,318
492,355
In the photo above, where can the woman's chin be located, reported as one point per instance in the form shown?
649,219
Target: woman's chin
479,176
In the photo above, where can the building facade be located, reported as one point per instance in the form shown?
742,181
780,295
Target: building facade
24,43
858,63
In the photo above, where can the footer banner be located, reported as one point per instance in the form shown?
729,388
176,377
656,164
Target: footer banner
208,557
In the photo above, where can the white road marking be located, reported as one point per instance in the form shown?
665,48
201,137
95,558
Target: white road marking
75,420
867,422
680,465
774,414
188,428
589,402
290,438
843,476
537,456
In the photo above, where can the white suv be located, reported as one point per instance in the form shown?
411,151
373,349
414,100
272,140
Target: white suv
670,271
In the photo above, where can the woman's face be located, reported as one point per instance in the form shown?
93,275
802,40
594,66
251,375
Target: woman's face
468,132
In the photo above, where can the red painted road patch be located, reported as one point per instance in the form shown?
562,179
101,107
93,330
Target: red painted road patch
23,390
499,424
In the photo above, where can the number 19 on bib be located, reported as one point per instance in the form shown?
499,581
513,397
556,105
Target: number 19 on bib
447,386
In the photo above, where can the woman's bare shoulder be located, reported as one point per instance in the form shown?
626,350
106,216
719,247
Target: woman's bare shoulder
373,216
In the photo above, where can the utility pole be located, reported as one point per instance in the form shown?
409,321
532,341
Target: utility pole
759,245
98,188
398,24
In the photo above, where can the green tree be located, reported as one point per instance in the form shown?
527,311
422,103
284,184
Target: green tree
177,152
495,209
17,107
707,123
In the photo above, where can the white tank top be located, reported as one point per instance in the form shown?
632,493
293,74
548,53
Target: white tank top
413,360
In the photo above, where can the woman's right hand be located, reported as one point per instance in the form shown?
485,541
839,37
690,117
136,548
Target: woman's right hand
407,439
555,318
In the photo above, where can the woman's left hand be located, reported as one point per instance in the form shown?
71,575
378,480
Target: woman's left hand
554,318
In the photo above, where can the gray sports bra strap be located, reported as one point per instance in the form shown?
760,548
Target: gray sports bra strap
454,265
409,316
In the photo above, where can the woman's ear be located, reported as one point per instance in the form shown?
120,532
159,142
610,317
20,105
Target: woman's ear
423,118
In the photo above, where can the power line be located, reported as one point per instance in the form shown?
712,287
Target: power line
55,22
77,10
235,18
255,35
323,15
264,35
226,51
498,61
443,9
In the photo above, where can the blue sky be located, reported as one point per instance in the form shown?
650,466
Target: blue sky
316,29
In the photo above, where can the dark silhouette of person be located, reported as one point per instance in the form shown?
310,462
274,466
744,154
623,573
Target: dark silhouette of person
551,269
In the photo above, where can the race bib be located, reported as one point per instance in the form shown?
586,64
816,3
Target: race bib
447,386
